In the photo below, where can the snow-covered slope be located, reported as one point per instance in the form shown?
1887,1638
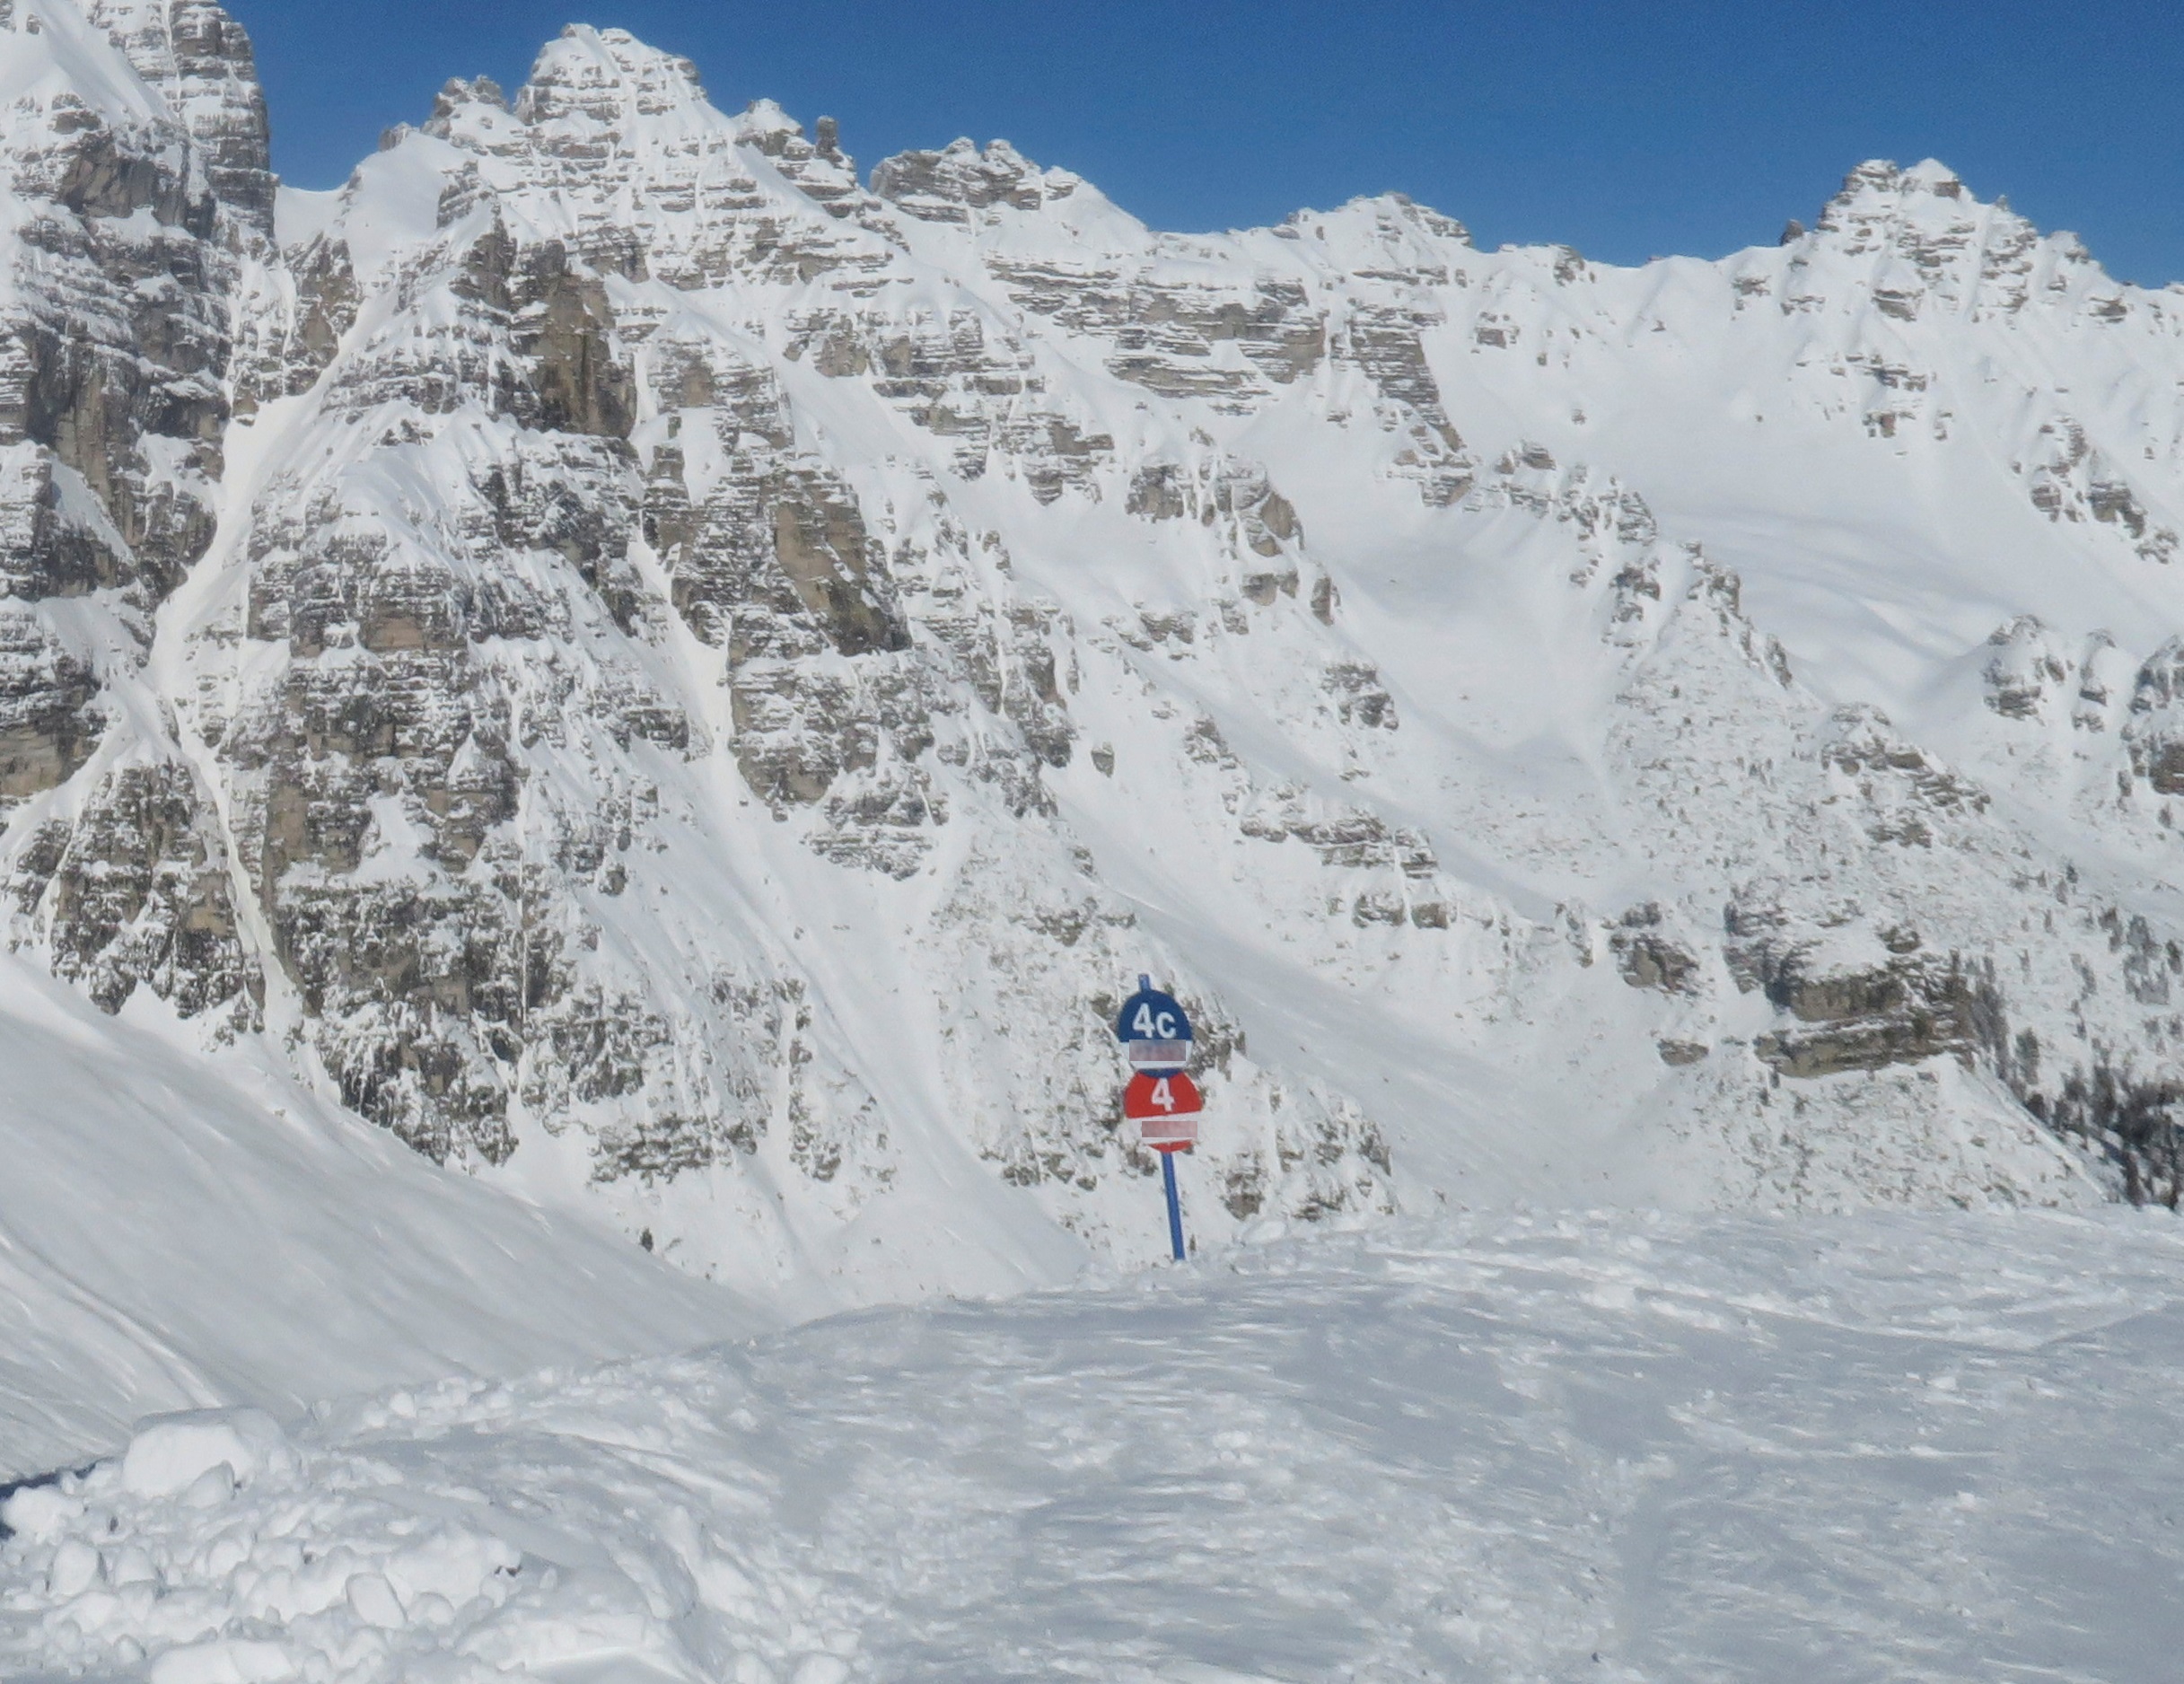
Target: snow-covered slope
169,1239
696,676
1882,1446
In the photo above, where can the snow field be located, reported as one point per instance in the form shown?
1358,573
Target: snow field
177,1232
1598,1447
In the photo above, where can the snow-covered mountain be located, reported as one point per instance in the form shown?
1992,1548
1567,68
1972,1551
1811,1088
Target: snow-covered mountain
686,679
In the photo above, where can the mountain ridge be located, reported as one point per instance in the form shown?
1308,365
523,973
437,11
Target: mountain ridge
684,678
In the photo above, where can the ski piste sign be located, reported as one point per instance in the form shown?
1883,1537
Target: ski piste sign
1161,1099
1154,1030
1166,1109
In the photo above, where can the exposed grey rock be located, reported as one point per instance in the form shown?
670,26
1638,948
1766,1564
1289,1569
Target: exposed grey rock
2027,673
1903,1014
201,60
48,719
946,186
136,893
2156,732
1649,956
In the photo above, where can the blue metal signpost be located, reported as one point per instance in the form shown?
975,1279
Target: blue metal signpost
1175,1207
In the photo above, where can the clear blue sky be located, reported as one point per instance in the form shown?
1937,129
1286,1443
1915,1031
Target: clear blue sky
1626,130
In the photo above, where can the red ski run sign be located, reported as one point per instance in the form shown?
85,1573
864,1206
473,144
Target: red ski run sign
1166,1109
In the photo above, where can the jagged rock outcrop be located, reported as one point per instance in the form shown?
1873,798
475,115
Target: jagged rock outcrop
2156,732
136,893
946,187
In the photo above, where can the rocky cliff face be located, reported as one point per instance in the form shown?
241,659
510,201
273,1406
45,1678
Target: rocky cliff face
138,197
684,681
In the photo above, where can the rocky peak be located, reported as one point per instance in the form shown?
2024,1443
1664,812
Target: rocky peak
1390,220
200,60
454,95
1917,240
946,186
115,325
1880,182
613,148
773,131
606,80
818,166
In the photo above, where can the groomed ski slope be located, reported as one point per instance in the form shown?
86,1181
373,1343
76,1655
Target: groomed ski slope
1603,1448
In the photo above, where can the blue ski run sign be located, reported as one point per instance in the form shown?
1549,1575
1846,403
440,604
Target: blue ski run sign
1155,1030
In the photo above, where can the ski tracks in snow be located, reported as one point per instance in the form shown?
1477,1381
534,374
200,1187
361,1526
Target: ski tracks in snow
1604,1447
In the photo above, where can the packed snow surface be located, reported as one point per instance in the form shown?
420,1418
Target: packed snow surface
1603,1447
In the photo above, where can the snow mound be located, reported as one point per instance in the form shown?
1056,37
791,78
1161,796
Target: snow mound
1610,1447
172,1454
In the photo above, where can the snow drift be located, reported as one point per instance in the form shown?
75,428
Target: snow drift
1599,1447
